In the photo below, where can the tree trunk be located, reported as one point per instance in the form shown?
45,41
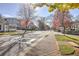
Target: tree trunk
63,23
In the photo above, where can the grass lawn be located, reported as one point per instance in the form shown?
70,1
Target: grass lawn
66,49
62,38
8,33
74,39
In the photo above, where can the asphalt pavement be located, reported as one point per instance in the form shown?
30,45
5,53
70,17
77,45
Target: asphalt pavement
11,46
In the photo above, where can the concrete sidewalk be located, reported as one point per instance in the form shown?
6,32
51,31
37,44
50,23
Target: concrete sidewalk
48,46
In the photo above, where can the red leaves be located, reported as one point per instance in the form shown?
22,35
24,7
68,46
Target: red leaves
56,23
61,19
24,23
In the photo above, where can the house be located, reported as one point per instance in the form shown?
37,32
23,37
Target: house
12,23
75,25
8,24
3,24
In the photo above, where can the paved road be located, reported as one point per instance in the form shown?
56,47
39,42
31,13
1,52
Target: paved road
9,45
48,46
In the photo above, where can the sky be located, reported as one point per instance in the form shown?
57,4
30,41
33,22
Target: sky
43,11
74,12
12,10
9,9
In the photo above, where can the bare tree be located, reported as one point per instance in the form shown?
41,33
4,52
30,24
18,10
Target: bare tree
42,24
25,12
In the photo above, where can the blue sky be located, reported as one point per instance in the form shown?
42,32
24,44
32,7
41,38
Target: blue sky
9,9
12,9
74,12
43,11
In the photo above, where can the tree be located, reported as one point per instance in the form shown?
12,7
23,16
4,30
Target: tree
24,23
57,20
62,7
41,25
25,13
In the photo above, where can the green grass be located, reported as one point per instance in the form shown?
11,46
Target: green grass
62,38
66,50
8,33
74,39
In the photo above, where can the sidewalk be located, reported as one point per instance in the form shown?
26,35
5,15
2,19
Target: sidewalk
46,47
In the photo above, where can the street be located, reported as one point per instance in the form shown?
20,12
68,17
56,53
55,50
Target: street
11,46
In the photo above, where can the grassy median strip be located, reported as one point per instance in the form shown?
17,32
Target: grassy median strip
65,48
74,39
62,38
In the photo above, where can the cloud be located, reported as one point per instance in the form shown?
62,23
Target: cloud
6,15
37,8
43,11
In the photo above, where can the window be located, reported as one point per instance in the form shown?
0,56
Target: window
0,27
5,19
